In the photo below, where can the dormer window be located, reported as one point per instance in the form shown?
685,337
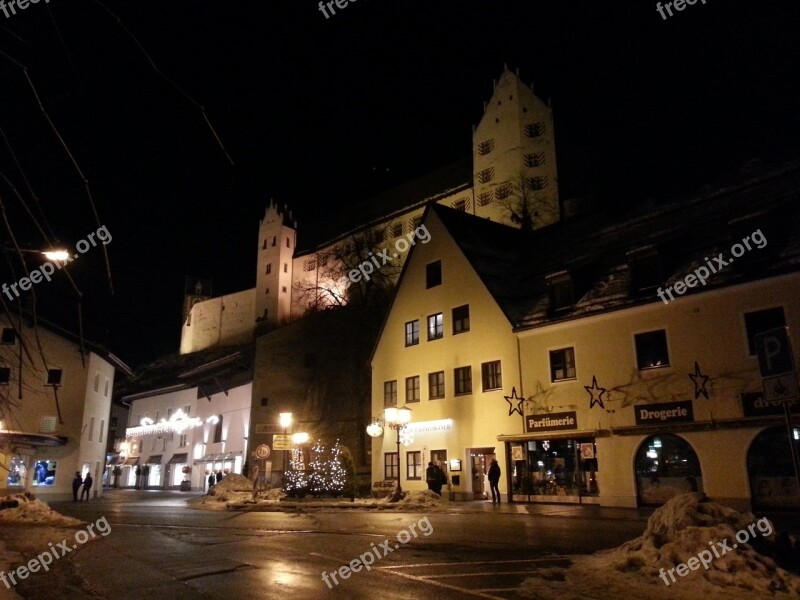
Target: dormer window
562,294
486,147
645,267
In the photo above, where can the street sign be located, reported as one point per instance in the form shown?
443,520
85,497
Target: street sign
780,387
281,442
262,452
774,352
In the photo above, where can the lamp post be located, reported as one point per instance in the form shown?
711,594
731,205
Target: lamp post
285,419
397,418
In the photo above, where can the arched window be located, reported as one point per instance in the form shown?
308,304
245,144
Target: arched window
666,465
773,483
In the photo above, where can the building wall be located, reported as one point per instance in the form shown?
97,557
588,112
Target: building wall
78,403
219,321
477,418
706,328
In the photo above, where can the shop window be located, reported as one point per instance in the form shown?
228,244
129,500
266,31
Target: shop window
16,472
555,469
651,350
390,393
562,364
391,467
433,274
44,472
461,319
436,385
773,484
435,327
666,465
491,375
412,333
761,321
463,380
414,468
412,389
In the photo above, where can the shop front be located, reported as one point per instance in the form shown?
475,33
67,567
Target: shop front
553,461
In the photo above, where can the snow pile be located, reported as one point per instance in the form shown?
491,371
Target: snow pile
232,483
274,494
685,527
414,500
25,508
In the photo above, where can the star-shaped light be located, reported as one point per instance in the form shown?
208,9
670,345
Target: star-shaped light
406,436
595,393
700,382
511,408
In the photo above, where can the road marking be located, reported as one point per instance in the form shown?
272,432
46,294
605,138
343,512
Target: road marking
480,562
446,586
521,508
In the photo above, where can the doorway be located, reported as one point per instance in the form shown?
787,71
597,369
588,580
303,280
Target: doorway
480,459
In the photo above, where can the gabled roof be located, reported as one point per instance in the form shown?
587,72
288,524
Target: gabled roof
593,249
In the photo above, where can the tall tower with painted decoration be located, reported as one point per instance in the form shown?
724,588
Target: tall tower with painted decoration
277,236
514,158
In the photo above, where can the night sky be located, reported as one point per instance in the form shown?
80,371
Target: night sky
321,113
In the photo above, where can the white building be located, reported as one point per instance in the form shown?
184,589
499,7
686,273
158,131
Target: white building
54,408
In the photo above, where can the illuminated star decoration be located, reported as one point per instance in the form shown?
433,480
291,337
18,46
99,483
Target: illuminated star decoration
595,393
406,436
511,408
700,382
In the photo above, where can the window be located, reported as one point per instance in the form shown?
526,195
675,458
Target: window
561,292
415,222
562,364
48,424
645,267
218,430
182,440
436,385
491,375
412,389
91,429
390,393
537,183
463,377
412,333
9,336
44,472
396,230
283,289
486,175
485,147
285,267
5,375
102,430
269,269
391,467
651,350
414,468
264,245
287,243
460,204
535,129
461,319
433,274
761,321
105,393
534,160
435,327
503,191
97,382
54,376
274,240
484,198
309,265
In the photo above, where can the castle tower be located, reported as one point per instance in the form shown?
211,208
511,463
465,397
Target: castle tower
514,157
277,235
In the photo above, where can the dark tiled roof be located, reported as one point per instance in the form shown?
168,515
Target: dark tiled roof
594,248
417,192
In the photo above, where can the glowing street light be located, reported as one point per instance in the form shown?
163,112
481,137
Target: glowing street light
397,419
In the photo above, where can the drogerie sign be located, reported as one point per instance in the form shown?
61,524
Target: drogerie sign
665,412
551,421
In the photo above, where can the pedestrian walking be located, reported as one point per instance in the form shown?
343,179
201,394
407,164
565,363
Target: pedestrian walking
211,481
77,482
494,479
219,476
431,476
87,486
138,478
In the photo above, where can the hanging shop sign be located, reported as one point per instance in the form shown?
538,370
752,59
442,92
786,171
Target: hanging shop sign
551,422
664,412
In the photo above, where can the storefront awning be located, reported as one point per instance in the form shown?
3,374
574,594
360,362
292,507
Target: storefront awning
132,460
153,460
179,459
209,458
551,435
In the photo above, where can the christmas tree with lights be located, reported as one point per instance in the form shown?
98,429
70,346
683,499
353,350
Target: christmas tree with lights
296,477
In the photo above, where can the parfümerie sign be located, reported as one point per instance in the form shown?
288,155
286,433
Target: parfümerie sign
664,412
551,421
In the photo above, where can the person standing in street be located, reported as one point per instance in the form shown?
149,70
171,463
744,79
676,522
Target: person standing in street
494,479
431,476
77,482
211,481
87,486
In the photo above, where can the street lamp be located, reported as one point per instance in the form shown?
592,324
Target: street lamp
397,418
285,419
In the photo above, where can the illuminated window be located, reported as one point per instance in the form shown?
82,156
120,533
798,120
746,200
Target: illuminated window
562,364
414,465
435,327
391,465
412,333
